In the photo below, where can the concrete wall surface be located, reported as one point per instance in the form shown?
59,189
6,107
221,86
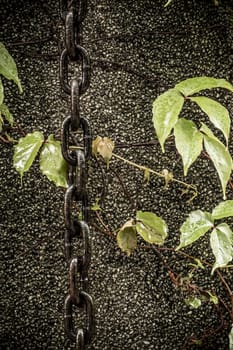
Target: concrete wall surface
138,50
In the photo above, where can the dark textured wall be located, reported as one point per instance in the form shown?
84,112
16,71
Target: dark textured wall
138,50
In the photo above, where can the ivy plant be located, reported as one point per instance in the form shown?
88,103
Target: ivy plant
8,70
189,138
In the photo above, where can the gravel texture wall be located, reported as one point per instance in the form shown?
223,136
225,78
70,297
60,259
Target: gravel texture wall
138,50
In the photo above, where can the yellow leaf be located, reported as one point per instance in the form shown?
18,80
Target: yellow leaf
147,175
104,146
168,176
95,145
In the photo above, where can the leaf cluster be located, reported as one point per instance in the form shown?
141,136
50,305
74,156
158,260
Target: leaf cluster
190,139
149,226
52,164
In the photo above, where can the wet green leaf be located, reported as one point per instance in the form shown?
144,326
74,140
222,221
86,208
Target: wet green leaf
127,238
221,239
26,150
188,141
223,210
205,130
231,338
219,155
217,113
8,67
1,92
166,110
195,226
52,163
4,110
193,85
151,227
194,302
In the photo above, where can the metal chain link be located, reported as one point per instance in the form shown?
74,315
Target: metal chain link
73,13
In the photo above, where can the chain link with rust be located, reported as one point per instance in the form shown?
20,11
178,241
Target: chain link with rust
73,12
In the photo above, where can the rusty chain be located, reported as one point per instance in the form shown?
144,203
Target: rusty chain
73,13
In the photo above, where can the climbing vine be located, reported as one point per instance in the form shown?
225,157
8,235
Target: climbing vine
190,140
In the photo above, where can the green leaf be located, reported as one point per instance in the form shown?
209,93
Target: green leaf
213,298
52,163
8,67
26,150
198,264
1,92
127,238
205,130
231,338
4,110
166,110
96,205
217,113
223,210
151,227
221,239
188,141
220,156
194,302
195,226
193,85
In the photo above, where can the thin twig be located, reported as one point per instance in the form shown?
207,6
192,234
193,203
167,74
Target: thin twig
107,229
144,168
124,188
137,144
4,140
120,66
30,42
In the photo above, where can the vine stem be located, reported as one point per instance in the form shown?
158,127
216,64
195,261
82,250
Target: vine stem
222,279
106,228
144,168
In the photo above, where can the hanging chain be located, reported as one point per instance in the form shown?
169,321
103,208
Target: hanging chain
73,13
